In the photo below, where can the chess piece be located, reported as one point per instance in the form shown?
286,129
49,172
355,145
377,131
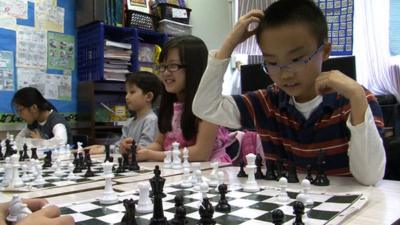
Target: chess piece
176,160
1,153
16,181
180,212
283,196
270,174
25,150
134,166
298,210
17,210
223,205
186,178
87,159
125,162
242,173
39,179
259,174
109,196
199,180
58,173
168,159
21,156
303,196
309,173
292,173
34,153
206,212
213,177
75,158
107,152
120,168
71,175
144,204
25,177
89,172
129,216
251,183
195,166
277,217
8,172
47,160
157,184
185,157
321,179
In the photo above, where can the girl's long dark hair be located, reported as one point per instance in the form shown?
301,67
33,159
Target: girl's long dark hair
193,54
29,96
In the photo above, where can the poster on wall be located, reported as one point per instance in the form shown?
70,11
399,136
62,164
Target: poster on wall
60,51
15,8
31,49
339,16
6,71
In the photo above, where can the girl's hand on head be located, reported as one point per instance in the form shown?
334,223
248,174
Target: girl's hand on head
240,32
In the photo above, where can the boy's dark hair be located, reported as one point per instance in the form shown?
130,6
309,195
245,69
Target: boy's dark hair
285,12
29,96
193,54
146,81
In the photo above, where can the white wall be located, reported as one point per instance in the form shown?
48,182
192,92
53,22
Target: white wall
211,20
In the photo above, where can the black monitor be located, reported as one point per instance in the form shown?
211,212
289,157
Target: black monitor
253,76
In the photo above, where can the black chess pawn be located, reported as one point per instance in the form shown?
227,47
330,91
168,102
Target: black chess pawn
25,149
180,212
107,151
270,174
1,153
111,160
277,217
130,211
89,172
259,174
9,150
242,173
125,162
47,160
120,168
309,173
223,205
75,158
292,173
321,179
298,211
280,171
81,159
157,183
34,153
21,156
134,166
206,212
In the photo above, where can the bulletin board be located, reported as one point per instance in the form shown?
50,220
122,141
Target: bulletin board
37,48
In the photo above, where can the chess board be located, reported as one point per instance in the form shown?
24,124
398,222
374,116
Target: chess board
246,208
53,181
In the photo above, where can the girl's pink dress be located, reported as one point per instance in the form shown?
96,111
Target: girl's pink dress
221,141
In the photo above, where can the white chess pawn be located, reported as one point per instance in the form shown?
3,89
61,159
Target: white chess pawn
251,183
8,170
25,176
39,178
303,196
283,196
168,159
71,175
58,173
16,181
195,166
186,183
79,148
109,196
185,157
176,159
144,204
213,175
199,180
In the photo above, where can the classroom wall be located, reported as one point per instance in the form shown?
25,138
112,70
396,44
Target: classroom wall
211,20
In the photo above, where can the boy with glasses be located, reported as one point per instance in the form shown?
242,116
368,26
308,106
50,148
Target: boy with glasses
306,110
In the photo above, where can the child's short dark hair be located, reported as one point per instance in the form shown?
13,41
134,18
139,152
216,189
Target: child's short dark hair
148,82
285,12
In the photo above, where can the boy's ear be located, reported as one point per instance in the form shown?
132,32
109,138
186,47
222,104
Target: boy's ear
34,108
327,50
149,96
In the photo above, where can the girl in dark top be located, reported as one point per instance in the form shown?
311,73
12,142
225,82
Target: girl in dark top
43,121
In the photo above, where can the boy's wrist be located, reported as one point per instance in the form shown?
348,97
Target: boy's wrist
226,50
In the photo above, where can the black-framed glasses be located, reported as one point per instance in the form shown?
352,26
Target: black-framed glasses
291,67
171,67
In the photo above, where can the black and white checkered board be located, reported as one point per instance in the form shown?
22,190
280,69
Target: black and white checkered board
247,208
53,181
